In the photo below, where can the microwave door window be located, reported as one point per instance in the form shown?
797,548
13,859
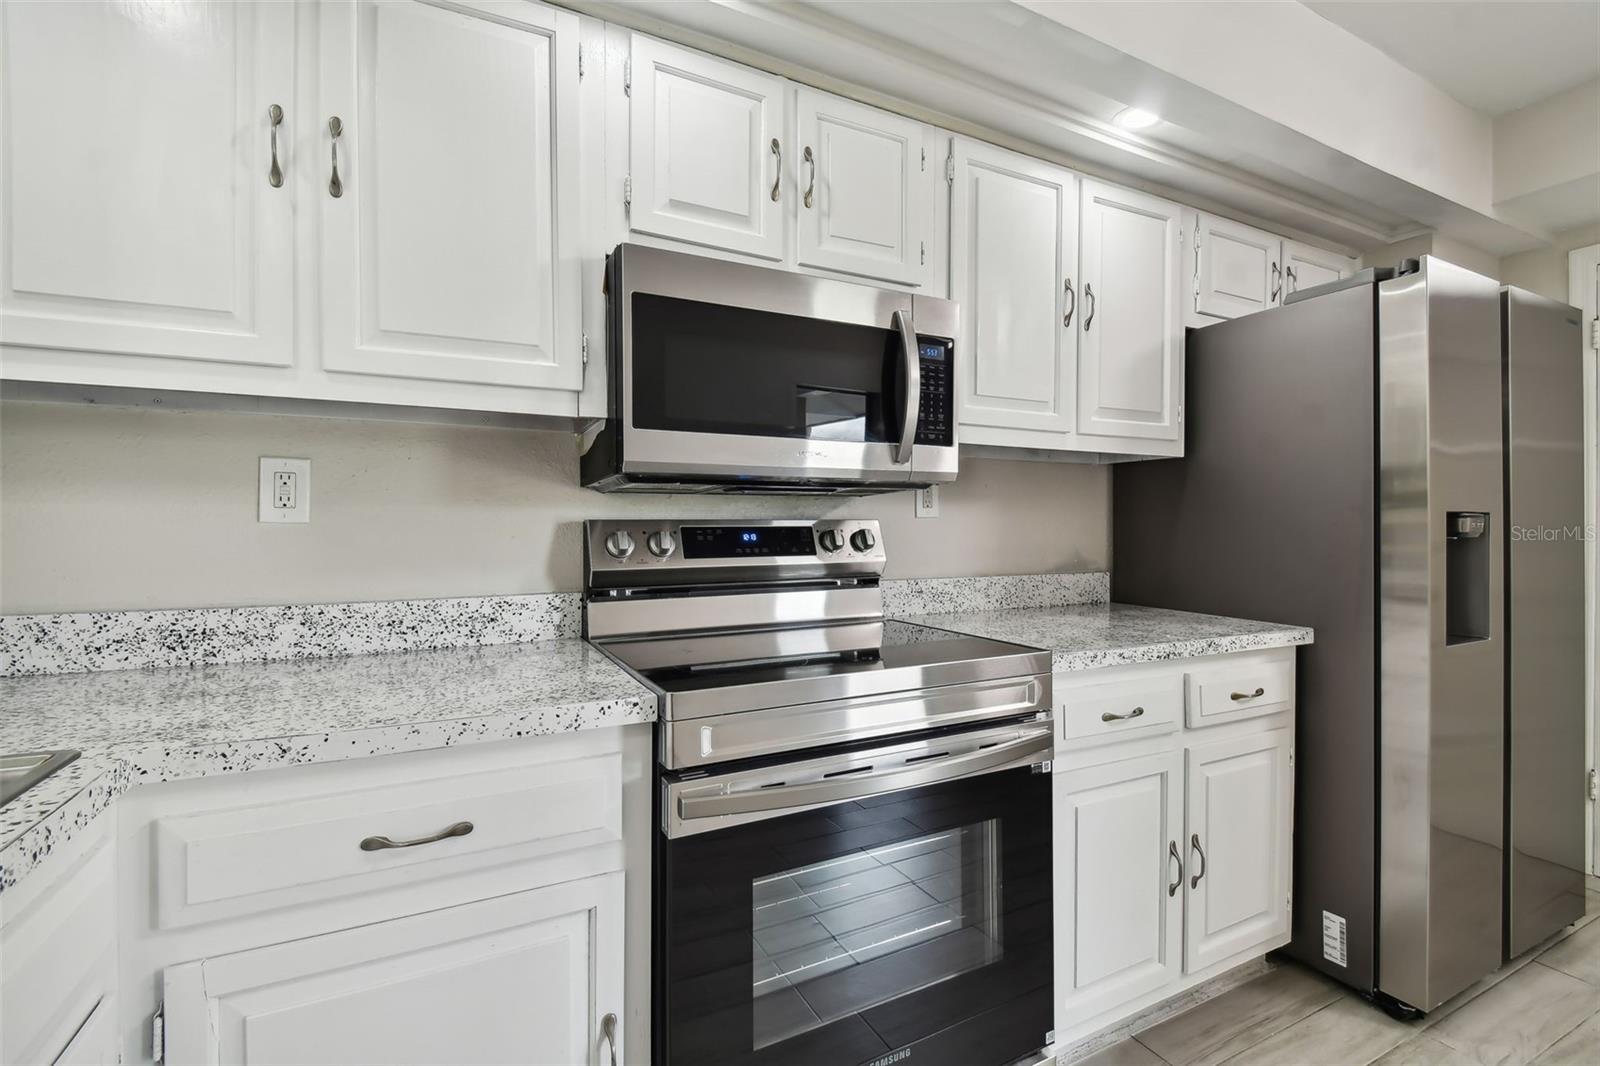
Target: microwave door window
707,368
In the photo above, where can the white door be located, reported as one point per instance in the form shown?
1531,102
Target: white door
1119,903
524,978
706,152
138,213
1130,356
1239,269
1239,813
862,189
1305,266
451,250
1013,257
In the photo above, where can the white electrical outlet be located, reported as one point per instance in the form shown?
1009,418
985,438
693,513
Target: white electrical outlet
285,494
928,502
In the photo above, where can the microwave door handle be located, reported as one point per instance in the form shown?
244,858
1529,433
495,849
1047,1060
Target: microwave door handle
771,802
913,369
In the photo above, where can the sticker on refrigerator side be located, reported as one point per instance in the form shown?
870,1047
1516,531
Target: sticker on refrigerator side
1334,943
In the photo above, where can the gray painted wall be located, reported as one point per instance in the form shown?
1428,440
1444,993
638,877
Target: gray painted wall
106,508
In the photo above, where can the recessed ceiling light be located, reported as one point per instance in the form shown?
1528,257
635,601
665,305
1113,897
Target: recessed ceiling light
1136,118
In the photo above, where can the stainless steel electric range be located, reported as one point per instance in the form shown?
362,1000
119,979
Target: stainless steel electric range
852,850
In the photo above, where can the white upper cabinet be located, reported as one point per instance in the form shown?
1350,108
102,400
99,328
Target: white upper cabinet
1240,807
1305,266
707,155
140,213
1130,356
1013,261
1119,910
861,189
446,252
1238,269
521,978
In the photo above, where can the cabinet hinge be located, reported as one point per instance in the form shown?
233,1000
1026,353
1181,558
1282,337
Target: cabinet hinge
1594,334
924,245
580,62
950,168
585,349
627,194
924,159
627,76
158,1034
1180,422
1594,791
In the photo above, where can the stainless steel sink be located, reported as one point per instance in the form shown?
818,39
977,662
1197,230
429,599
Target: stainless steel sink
18,773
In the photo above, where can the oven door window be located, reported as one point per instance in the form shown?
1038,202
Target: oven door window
916,924
833,938
707,368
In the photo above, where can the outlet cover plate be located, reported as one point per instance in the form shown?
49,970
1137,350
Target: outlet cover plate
301,511
928,502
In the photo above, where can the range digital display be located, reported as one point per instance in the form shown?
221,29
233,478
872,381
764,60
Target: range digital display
730,542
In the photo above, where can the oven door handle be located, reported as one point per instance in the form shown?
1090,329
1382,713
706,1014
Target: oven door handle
1021,751
913,368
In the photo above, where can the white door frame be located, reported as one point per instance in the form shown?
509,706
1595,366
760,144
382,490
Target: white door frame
1583,280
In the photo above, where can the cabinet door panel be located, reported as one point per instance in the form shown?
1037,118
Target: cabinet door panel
521,978
1118,920
703,168
138,216
1130,357
1014,246
451,253
1240,269
868,213
1239,808
1305,266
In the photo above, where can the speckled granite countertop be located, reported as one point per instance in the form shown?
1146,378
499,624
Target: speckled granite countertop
1115,634
142,726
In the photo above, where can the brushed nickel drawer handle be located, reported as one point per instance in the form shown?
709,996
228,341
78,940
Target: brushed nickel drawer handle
460,829
777,168
335,131
1248,695
1172,850
1194,842
1137,712
275,173
608,1029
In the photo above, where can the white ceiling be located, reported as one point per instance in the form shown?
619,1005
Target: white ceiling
1492,55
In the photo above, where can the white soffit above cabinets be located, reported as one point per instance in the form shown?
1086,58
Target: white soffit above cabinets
1269,110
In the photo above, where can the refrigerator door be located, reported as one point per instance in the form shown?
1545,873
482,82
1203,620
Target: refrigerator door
1442,657
1545,617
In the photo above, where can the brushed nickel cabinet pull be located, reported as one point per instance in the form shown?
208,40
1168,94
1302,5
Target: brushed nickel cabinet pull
1137,712
1088,294
1194,842
1277,282
1247,695
1294,279
1172,850
777,169
460,829
1072,303
608,1029
275,173
811,183
335,186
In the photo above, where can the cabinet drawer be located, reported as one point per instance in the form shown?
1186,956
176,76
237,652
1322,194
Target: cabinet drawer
1122,709
228,863
1230,692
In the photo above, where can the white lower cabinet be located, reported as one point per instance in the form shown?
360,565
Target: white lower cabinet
522,978
1237,813
1117,838
1173,849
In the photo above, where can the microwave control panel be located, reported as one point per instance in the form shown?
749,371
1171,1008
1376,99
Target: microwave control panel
936,415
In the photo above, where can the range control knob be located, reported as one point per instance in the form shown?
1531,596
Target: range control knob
862,540
619,545
661,543
831,540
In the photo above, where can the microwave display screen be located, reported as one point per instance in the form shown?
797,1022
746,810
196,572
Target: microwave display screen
731,542
934,352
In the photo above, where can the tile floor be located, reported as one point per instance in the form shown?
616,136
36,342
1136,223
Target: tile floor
1543,1008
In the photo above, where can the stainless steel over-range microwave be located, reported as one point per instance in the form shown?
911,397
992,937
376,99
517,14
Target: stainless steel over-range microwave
732,378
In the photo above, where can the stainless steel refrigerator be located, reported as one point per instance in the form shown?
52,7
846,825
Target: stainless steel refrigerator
1396,460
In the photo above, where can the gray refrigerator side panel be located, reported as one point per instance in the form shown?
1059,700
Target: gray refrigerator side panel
1442,720
1271,515
1544,617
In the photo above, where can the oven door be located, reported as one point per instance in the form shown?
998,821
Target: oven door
882,905
737,373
